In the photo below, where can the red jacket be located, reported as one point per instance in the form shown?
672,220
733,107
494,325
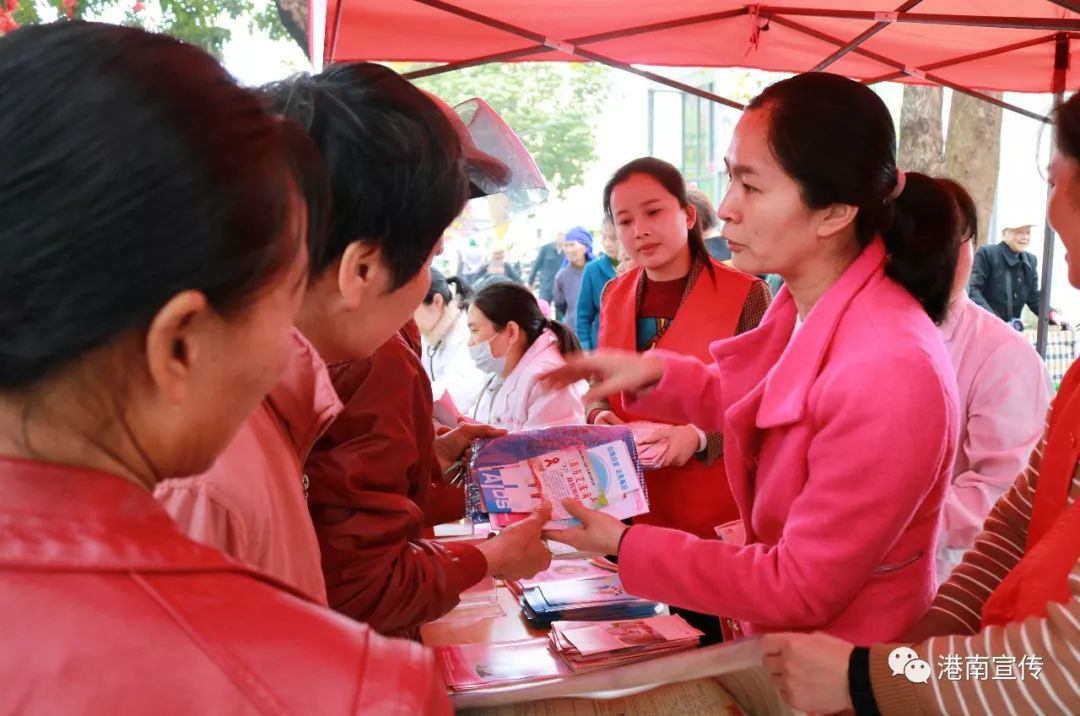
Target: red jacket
109,609
373,480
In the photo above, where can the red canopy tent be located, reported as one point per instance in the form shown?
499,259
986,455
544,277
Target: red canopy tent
966,45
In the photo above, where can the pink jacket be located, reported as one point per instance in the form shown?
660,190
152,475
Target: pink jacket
839,442
252,504
1004,392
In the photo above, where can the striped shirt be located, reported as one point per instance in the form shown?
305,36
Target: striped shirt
1029,667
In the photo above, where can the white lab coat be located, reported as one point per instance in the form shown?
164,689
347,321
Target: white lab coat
448,364
521,402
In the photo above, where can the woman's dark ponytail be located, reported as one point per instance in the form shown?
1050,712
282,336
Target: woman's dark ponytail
568,342
462,290
922,243
505,302
440,286
836,138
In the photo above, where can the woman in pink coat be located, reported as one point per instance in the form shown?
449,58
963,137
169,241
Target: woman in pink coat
839,412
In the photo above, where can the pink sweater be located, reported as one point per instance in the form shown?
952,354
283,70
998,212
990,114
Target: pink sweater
252,504
839,444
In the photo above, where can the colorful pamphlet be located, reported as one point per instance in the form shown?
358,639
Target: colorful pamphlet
596,464
584,599
567,570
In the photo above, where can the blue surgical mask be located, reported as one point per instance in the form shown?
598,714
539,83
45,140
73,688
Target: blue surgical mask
484,359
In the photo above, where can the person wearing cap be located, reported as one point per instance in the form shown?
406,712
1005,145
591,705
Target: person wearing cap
578,249
1005,277
392,201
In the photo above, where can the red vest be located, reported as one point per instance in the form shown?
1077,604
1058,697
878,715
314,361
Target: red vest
1053,536
695,498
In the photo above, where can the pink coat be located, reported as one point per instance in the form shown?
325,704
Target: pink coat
252,504
839,444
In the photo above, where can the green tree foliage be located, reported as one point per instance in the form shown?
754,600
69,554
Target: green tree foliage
552,106
199,22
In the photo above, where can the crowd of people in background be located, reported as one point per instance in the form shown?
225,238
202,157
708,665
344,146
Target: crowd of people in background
236,398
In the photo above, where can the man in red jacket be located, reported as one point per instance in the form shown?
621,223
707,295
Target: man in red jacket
376,483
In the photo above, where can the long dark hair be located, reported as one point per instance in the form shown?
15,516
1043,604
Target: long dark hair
133,168
836,138
440,285
968,212
672,180
505,302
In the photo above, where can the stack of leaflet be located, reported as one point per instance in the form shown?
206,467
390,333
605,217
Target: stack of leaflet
475,666
595,645
592,599
565,570
513,474
651,453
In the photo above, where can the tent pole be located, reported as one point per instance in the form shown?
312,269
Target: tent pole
914,71
571,49
967,58
1070,5
1004,23
540,49
1061,70
866,35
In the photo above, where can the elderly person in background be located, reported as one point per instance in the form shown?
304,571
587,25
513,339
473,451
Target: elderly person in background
578,250
1005,277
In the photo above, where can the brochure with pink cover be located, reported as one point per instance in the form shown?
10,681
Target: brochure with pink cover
474,666
614,636
570,570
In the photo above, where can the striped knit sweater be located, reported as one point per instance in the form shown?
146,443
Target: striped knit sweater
1036,662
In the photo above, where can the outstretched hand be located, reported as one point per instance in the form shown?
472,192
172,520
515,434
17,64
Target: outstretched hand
451,446
517,552
598,532
610,371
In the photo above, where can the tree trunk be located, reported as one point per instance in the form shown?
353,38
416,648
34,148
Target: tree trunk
974,151
921,144
294,16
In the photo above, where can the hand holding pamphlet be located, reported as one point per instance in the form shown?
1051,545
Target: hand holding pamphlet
598,465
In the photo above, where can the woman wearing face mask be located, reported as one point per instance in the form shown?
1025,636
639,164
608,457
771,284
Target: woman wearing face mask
444,342
839,413
1014,600
145,314
513,341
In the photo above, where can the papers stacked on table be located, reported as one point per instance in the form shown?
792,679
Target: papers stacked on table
476,666
594,645
511,475
566,570
591,599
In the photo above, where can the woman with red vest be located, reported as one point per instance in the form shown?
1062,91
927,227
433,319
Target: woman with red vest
681,300
1011,609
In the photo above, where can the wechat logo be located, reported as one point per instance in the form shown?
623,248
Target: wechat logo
905,662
